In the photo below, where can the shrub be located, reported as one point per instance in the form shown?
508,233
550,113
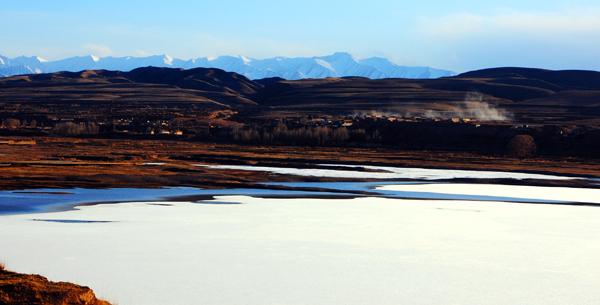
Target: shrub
522,145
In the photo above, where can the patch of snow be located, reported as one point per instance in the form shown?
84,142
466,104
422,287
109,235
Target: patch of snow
245,59
168,60
324,64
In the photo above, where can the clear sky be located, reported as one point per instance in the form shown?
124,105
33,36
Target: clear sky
455,35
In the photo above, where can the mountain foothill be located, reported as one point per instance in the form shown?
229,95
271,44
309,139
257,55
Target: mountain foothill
528,95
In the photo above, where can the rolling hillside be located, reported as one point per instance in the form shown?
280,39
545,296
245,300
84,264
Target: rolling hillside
514,94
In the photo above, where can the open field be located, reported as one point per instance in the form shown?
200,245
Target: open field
103,163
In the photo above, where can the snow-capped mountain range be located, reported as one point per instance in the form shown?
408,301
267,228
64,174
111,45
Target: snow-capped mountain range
336,65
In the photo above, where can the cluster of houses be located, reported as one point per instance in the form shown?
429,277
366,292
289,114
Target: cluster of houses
147,127
348,121
416,119
180,127
128,126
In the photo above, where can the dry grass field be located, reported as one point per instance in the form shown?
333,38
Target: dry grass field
104,163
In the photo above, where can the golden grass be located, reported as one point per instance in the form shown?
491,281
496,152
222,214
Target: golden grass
2,265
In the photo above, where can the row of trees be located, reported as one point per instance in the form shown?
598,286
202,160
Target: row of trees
313,135
15,123
72,129
518,145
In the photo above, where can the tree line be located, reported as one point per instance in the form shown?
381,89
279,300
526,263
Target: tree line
305,135
493,138
16,123
73,129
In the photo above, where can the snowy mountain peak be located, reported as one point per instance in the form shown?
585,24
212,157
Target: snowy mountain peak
339,64
339,56
24,60
324,64
168,59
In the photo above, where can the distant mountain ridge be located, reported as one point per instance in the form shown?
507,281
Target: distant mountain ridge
337,65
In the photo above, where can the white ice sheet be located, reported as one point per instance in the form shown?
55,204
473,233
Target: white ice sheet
390,172
316,251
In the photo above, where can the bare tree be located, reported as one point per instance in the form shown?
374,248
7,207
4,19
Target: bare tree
12,123
72,129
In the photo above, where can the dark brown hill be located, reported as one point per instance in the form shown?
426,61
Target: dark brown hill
354,94
527,95
520,90
210,88
522,94
564,79
198,79
269,80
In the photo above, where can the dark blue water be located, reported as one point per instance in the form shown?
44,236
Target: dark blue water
45,200
49,200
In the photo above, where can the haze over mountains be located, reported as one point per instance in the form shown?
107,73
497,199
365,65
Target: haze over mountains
337,65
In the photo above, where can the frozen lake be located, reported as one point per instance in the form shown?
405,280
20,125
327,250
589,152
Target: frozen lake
470,244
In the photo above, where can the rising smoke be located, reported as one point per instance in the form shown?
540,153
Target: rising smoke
479,109
473,107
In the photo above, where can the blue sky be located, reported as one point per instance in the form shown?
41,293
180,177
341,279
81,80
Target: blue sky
455,35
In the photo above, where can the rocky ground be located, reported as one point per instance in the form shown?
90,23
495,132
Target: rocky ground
18,289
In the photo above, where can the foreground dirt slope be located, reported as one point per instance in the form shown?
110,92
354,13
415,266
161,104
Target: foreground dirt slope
16,288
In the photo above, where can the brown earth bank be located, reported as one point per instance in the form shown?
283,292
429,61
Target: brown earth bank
107,163
32,289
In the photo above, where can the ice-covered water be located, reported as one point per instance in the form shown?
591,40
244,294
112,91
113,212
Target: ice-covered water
315,251
473,244
386,172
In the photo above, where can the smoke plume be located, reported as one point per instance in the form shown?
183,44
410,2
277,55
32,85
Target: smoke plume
473,107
